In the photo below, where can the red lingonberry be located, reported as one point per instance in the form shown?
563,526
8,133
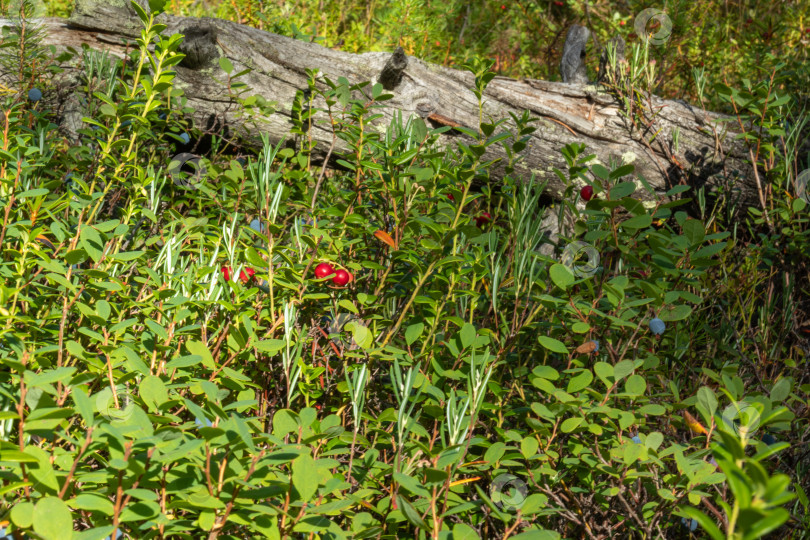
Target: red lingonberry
323,270
342,277
586,193
246,274
483,219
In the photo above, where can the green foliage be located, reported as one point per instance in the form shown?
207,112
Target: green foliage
453,389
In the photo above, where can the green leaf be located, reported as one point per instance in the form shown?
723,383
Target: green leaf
467,335
225,64
694,231
638,222
706,403
153,392
157,329
345,304
284,421
90,239
413,332
411,485
94,502
270,346
22,515
534,534
183,361
462,531
361,334
605,372
675,313
552,344
52,519
243,431
83,405
570,424
199,349
705,522
410,513
157,7
623,369
635,385
600,171
126,256
32,193
561,276
708,251
495,452
654,440
781,389
621,190
305,477
528,447
582,380
11,455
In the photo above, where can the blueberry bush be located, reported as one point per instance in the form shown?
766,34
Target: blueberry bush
171,364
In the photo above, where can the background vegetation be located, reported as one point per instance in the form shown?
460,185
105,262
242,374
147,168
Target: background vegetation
461,385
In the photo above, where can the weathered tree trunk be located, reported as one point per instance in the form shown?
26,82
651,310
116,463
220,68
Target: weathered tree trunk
706,153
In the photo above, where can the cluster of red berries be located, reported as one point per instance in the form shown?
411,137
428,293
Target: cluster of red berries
340,277
245,275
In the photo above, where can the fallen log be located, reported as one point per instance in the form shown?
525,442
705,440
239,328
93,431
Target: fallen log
680,145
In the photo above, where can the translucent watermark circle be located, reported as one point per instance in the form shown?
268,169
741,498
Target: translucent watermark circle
181,178
12,9
115,407
743,417
652,14
349,331
508,492
801,185
572,255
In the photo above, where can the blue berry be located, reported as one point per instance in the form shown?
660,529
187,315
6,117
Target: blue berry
712,461
636,439
200,424
256,225
596,342
691,524
185,138
125,123
35,94
162,116
657,326
769,439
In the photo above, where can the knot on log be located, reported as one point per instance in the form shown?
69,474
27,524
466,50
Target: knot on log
199,45
572,65
391,74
